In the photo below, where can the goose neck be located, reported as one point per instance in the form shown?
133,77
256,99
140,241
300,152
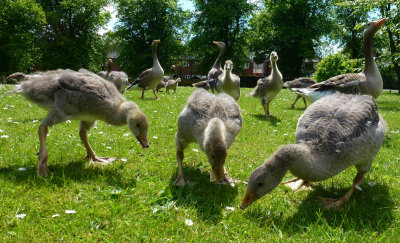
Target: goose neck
155,58
370,65
217,63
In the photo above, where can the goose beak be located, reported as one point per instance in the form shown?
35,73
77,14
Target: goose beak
248,199
215,43
379,23
157,41
142,138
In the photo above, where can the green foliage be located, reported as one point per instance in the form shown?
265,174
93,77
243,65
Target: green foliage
293,28
142,21
220,20
21,23
71,39
337,64
135,200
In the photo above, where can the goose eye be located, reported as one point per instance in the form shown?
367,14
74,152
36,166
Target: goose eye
138,125
260,184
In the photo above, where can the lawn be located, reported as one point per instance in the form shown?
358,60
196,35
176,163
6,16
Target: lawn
134,198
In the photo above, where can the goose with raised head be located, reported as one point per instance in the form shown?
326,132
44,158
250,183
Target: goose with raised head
216,69
299,83
213,122
70,95
150,78
268,88
334,133
368,82
228,82
172,84
118,78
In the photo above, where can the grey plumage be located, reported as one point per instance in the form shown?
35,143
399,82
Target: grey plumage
334,133
212,122
228,82
216,69
202,84
150,78
172,84
268,88
299,83
118,78
70,95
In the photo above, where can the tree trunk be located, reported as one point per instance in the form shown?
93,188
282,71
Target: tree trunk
393,50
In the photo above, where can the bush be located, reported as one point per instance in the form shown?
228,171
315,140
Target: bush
337,64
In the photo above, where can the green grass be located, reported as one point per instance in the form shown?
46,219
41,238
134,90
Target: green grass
136,200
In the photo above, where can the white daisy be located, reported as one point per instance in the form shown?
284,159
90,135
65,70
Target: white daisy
20,216
188,222
70,211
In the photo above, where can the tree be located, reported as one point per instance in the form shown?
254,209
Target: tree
347,31
142,21
220,20
70,39
21,21
293,28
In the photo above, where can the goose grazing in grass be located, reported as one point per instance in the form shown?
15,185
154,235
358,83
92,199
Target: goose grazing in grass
268,88
202,84
369,81
150,78
228,82
70,95
213,122
299,83
334,133
172,84
118,78
216,69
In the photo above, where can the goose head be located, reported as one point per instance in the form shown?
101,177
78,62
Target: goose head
372,27
155,43
221,45
138,124
273,57
228,65
178,80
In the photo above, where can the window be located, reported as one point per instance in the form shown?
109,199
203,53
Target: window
186,64
258,68
188,76
246,65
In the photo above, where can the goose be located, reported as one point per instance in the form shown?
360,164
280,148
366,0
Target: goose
369,81
70,95
172,84
299,83
213,121
165,79
202,84
118,78
216,69
150,78
334,133
228,82
268,88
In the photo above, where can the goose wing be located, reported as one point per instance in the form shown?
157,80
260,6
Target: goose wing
333,121
345,83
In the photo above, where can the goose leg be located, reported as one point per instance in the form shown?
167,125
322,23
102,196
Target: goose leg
154,92
298,184
142,93
181,180
265,104
328,203
41,169
83,128
220,176
294,103
305,102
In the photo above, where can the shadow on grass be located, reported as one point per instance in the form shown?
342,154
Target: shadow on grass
207,197
62,174
371,209
273,120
